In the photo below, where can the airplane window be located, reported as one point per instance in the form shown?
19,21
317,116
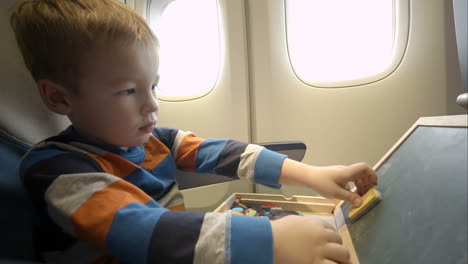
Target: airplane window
335,42
189,46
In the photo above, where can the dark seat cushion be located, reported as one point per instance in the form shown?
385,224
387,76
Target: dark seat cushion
15,209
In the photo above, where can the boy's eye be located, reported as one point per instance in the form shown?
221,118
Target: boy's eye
154,87
127,92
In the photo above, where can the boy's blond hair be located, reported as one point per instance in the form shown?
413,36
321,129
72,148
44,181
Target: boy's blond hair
54,35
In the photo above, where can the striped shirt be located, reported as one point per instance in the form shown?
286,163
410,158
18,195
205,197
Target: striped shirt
98,204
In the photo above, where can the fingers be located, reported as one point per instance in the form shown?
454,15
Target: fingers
334,251
349,196
327,261
363,176
337,253
330,235
333,237
364,172
327,225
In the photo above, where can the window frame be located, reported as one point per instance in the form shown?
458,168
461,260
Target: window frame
401,13
221,35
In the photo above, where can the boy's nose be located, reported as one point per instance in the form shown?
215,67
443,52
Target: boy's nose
151,105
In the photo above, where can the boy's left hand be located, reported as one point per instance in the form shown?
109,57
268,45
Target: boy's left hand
330,181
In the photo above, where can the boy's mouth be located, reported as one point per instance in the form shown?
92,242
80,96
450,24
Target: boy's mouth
147,128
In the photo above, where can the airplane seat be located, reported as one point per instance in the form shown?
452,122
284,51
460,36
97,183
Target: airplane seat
16,211
23,121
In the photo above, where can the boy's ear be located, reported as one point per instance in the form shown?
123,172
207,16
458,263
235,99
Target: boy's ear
54,96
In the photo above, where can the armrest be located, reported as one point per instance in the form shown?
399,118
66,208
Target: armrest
293,149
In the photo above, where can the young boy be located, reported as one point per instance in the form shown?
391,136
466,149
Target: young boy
104,189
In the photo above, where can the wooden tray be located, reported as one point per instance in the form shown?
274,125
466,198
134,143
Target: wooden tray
327,209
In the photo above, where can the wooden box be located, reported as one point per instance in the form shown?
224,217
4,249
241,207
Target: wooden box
327,209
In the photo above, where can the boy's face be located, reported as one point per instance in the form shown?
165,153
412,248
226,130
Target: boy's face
117,103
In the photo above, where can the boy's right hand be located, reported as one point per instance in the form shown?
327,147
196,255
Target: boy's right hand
302,239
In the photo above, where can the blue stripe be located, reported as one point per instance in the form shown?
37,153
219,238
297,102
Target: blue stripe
208,154
268,168
155,187
39,154
131,231
251,240
165,169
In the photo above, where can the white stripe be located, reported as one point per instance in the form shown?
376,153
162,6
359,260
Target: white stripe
210,246
247,162
172,198
38,145
227,239
178,140
69,191
67,146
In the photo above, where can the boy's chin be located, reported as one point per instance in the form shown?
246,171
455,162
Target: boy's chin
144,140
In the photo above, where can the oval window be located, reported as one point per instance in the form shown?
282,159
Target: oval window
337,43
190,60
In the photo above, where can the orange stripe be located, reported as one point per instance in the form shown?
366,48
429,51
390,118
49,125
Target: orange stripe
114,164
156,151
186,156
179,207
94,217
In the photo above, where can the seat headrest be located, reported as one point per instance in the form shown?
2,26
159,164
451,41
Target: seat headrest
23,116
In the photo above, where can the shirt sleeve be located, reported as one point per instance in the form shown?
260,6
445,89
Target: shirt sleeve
122,220
231,158
117,218
102,210
220,238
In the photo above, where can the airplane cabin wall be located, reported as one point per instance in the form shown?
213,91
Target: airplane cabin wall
460,12
258,98
353,124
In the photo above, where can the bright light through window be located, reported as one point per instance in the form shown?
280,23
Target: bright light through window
189,47
339,40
